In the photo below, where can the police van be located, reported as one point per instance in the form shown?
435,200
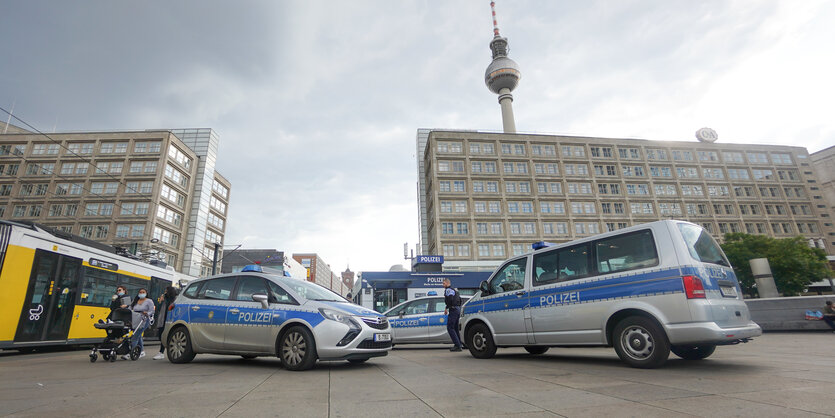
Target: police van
646,290
253,314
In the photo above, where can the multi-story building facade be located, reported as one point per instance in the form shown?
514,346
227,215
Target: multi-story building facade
484,197
155,193
823,162
319,272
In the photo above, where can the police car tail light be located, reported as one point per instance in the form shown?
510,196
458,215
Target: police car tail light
693,287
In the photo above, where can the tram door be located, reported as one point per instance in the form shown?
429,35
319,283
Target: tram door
50,299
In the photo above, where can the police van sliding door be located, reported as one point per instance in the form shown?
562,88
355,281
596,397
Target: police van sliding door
50,299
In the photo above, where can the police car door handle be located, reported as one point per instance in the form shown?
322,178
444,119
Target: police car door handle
233,311
194,308
423,319
520,293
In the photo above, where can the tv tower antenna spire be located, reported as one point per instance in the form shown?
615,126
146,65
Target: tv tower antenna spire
502,75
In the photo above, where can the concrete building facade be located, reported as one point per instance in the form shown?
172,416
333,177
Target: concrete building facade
149,192
319,272
823,162
484,197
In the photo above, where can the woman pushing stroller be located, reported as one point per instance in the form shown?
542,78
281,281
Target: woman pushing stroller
143,310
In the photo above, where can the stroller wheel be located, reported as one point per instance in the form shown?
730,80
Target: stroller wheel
105,357
112,357
134,354
93,358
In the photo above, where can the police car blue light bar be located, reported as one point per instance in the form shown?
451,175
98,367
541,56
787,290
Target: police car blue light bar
252,267
432,293
541,244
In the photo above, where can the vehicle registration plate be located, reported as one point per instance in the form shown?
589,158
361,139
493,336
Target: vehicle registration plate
728,291
382,337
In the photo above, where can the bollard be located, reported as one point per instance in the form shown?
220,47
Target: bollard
762,275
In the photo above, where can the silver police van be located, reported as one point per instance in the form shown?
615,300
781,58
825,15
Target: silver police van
420,321
256,314
646,290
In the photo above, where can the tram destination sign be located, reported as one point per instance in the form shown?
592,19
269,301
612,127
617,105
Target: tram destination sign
103,264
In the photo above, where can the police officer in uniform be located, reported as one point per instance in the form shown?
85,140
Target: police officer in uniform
453,312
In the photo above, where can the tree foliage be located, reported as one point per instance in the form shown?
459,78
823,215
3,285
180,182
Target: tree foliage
794,264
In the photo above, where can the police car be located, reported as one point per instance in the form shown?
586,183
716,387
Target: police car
252,314
420,320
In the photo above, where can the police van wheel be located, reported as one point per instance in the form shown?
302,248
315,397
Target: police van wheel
536,349
179,346
297,349
480,341
693,352
641,343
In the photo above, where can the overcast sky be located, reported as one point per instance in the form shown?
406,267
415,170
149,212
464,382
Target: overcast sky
317,103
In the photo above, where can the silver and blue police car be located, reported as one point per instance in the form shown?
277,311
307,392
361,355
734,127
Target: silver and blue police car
253,314
420,321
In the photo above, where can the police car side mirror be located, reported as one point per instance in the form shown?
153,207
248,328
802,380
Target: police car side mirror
484,287
261,298
401,313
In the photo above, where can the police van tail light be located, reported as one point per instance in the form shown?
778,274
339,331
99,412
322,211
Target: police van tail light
693,287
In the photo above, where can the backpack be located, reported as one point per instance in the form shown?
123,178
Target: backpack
456,298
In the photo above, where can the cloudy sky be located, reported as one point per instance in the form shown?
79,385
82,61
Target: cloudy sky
317,102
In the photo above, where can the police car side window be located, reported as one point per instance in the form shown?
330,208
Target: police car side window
438,305
574,262
248,286
545,268
218,289
631,251
191,291
511,277
279,295
417,307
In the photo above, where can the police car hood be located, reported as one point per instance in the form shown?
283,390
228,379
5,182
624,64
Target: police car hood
351,308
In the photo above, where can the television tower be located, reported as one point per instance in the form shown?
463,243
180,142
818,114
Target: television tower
502,75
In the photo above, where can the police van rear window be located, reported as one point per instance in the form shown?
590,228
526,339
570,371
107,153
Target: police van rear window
701,245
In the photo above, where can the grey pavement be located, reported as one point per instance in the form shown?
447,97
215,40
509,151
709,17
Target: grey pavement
778,374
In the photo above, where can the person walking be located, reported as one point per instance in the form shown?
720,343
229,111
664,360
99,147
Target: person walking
829,315
453,313
165,300
143,311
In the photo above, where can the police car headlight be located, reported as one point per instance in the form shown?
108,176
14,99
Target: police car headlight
339,317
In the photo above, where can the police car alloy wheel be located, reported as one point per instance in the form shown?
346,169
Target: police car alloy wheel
480,341
641,343
297,350
693,352
179,346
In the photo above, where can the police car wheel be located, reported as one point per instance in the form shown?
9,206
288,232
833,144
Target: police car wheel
535,349
641,343
297,349
480,342
179,346
693,352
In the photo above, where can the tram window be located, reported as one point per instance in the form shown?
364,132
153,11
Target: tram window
98,287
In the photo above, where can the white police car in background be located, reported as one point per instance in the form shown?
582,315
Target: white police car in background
256,314
646,290
420,321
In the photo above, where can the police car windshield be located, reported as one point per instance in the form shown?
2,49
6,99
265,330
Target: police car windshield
310,291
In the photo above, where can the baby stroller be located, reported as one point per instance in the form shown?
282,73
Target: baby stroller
119,333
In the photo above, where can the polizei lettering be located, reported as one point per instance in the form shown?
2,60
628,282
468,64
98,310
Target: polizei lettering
257,317
559,299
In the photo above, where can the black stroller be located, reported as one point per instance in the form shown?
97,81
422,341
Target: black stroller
119,333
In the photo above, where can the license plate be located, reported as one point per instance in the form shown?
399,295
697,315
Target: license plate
382,337
728,291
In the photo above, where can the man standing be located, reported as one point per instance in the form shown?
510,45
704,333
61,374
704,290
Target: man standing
829,315
453,312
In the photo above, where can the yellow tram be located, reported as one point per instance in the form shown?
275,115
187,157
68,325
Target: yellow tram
54,286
